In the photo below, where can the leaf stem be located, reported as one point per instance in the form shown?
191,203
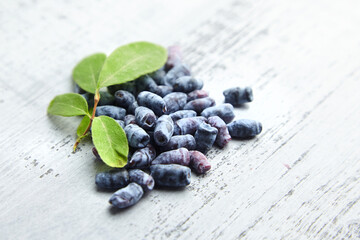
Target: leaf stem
96,101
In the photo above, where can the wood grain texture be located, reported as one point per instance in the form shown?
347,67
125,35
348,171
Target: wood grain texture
299,179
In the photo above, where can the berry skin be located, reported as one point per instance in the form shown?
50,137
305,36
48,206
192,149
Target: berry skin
145,117
187,84
117,113
187,125
159,76
198,105
238,96
164,130
121,123
142,157
112,179
174,57
244,128
175,101
163,90
223,136
132,107
185,141
170,175
224,111
179,156
146,83
137,137
127,196
182,114
205,137
142,178
199,162
124,98
179,70
128,86
197,94
129,119
152,101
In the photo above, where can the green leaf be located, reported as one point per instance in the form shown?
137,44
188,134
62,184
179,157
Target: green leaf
131,61
86,72
68,105
110,141
83,125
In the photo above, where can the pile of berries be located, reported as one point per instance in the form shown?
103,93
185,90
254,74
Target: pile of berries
170,124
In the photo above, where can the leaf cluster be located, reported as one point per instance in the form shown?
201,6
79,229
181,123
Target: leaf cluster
96,71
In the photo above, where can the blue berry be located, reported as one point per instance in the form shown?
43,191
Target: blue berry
187,84
142,157
152,101
112,179
145,83
163,90
132,107
175,101
205,137
223,136
198,105
164,130
174,57
177,71
197,94
238,96
159,76
121,123
182,114
129,119
187,125
128,86
170,175
124,98
127,196
244,128
111,111
137,137
179,156
145,117
224,111
142,178
199,162
186,141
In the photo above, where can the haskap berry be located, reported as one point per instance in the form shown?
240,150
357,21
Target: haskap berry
170,124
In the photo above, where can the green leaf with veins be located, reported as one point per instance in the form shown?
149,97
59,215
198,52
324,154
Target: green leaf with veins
83,125
110,141
86,72
131,61
68,105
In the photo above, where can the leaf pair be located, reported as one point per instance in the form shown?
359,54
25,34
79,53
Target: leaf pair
125,64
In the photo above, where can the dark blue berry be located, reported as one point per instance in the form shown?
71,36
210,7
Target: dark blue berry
205,137
170,175
132,107
137,137
142,157
164,130
223,136
197,94
129,119
111,111
127,196
186,141
124,98
224,111
199,162
145,83
163,90
145,117
152,101
198,105
175,101
177,71
182,114
174,57
179,156
187,84
142,178
187,125
128,86
113,179
159,76
244,128
238,96
121,123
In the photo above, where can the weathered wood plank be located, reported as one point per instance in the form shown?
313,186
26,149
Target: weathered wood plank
298,180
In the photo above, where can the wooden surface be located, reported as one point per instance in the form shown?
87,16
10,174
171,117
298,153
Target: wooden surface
300,179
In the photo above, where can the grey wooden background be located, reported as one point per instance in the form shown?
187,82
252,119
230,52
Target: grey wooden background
298,180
